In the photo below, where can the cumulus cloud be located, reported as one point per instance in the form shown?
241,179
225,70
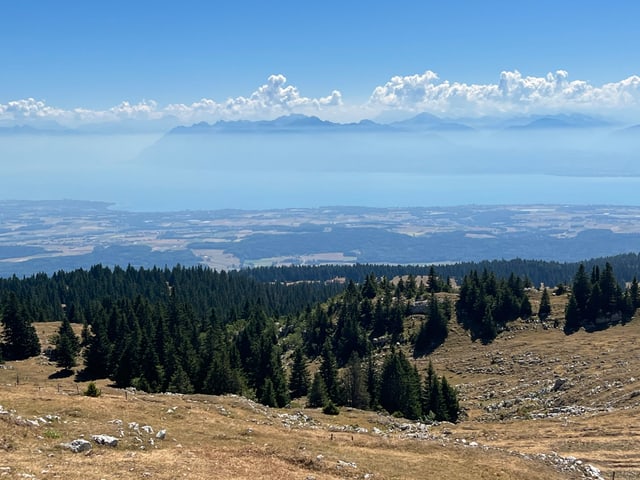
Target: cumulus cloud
513,93
272,99
29,108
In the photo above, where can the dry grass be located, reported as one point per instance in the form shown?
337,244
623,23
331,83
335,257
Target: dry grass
231,437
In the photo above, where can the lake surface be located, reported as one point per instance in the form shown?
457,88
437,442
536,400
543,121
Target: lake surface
108,169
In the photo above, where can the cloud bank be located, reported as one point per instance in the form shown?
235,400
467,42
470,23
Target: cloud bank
513,93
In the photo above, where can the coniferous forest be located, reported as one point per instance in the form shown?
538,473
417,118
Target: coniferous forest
337,342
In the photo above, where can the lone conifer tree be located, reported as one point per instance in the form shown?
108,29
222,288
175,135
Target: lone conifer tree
545,305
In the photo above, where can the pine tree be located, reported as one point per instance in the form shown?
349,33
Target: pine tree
581,289
372,383
299,380
318,396
545,305
180,381
433,331
572,315
431,395
67,346
525,307
354,384
268,396
370,287
97,353
19,335
634,292
329,371
451,406
400,386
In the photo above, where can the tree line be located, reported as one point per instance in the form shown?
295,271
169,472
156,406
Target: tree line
597,301
533,272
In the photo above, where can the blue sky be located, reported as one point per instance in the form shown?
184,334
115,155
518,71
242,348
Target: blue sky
80,60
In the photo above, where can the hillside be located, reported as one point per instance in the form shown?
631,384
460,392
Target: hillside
534,398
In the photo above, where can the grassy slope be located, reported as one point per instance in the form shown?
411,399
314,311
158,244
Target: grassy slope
230,437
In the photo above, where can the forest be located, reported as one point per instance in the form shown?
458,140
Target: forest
334,342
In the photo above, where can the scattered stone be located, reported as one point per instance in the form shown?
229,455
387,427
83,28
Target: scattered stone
161,434
107,440
77,446
343,464
147,429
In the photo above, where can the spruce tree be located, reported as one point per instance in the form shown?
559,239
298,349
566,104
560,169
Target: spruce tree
545,305
572,316
180,381
299,380
525,307
451,406
354,384
318,396
400,386
19,335
329,371
634,292
67,346
97,353
425,395
268,396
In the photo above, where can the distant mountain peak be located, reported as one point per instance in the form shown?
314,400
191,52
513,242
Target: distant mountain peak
294,122
560,120
428,121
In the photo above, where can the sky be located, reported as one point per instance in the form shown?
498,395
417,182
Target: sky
78,62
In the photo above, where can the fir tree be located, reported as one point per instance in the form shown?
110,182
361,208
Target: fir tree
318,396
268,396
400,386
354,384
525,307
97,353
180,381
329,371
433,331
67,346
451,406
19,335
634,292
572,315
299,379
545,305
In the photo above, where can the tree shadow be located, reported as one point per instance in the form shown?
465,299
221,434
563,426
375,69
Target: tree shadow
64,373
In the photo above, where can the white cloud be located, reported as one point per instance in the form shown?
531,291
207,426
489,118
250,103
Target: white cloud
514,93
269,100
29,108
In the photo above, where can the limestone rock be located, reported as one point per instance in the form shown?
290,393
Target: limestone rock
77,446
107,440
